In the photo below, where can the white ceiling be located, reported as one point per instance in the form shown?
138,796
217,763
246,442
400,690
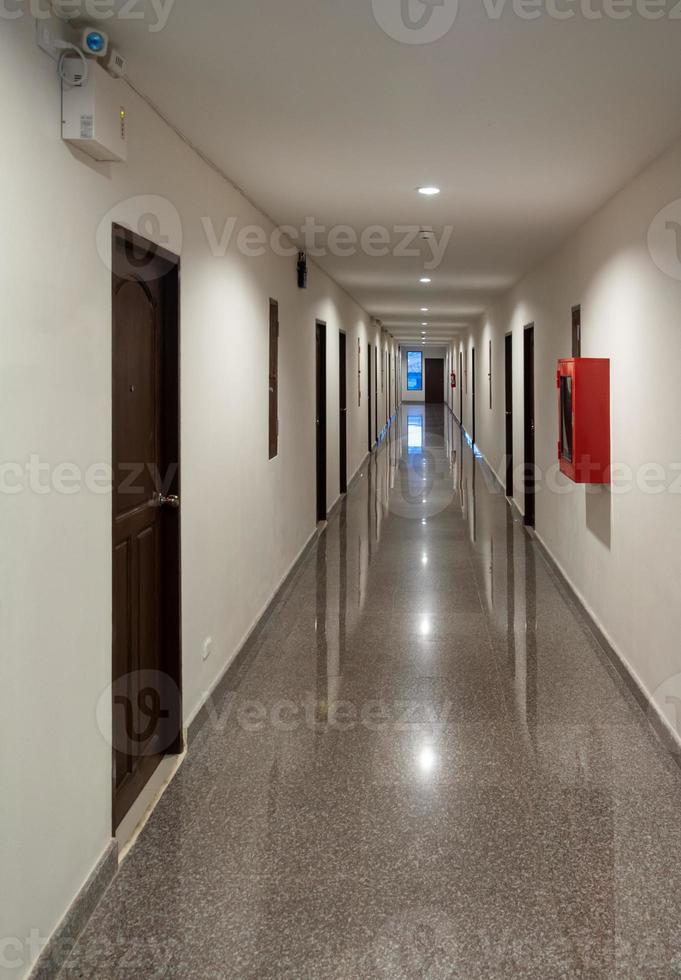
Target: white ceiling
527,126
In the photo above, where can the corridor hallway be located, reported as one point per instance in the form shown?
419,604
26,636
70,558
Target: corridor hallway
425,767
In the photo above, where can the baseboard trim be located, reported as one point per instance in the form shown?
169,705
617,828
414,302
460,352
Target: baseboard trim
65,936
341,496
248,645
658,724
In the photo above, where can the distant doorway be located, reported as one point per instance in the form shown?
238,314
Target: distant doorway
508,383
435,380
528,399
321,418
343,412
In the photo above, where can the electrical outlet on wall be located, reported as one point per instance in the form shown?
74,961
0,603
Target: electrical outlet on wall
207,647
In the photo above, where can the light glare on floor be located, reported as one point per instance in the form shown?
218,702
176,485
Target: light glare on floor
427,758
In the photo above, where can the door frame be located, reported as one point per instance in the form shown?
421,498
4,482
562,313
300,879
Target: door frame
343,411
320,417
170,644
529,481
508,408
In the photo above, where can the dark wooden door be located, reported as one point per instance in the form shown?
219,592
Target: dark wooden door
273,408
508,391
343,411
460,383
369,397
435,380
528,399
321,418
376,376
473,395
146,701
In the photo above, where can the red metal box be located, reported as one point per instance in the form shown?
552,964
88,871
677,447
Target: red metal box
584,418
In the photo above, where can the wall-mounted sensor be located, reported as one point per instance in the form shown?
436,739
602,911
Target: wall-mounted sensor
93,114
94,42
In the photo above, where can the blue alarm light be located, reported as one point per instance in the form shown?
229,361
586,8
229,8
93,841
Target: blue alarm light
95,42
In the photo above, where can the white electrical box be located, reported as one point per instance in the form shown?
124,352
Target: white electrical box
93,114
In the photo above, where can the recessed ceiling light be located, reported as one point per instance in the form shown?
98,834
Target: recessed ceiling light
429,191
424,309
424,324
425,279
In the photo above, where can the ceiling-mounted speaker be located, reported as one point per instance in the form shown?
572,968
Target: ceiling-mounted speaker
302,270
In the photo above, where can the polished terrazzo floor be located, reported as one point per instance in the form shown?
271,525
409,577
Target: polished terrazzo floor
425,769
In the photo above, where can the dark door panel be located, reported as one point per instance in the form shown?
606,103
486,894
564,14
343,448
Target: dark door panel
508,383
146,700
343,411
320,421
370,442
435,380
528,399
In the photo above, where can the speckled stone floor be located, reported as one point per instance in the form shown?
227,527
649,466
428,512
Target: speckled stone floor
426,768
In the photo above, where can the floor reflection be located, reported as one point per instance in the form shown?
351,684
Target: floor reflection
425,768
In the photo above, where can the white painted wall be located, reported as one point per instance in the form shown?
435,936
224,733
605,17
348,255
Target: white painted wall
620,548
244,519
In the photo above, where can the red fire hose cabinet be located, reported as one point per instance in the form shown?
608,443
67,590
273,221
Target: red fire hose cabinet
584,418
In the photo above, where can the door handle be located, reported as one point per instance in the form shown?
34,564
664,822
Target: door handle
161,500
